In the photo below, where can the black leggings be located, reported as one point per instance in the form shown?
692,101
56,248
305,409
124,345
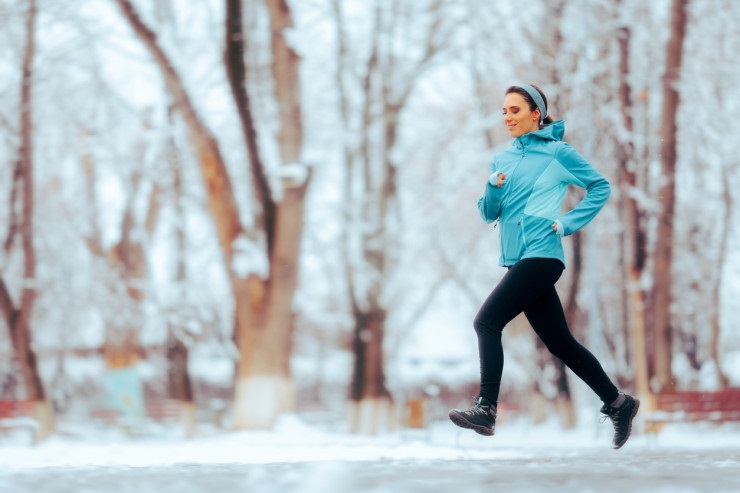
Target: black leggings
529,287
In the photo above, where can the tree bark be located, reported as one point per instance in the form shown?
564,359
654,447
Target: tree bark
370,402
286,65
634,236
724,248
180,386
662,296
236,71
284,254
265,344
19,317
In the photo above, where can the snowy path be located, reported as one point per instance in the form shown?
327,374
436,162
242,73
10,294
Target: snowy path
673,472
297,458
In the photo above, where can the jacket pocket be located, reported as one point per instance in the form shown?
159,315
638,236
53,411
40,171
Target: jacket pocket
512,241
538,235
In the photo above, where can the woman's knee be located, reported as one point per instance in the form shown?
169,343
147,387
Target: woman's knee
566,350
487,325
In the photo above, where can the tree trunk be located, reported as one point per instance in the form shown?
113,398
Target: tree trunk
634,252
285,67
19,317
662,296
236,71
180,385
370,219
265,344
263,388
370,402
724,248
22,338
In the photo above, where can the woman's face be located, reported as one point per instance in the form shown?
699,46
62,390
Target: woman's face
519,119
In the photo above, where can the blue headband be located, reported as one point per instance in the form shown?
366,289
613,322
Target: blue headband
537,98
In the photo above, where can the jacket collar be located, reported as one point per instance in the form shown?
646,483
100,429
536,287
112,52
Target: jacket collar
553,131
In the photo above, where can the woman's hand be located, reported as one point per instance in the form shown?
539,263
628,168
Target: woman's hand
497,179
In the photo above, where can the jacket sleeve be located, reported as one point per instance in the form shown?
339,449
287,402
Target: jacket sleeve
583,175
489,206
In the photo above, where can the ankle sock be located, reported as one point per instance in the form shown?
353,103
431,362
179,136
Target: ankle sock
618,401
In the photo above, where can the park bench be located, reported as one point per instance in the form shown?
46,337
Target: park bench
693,406
18,415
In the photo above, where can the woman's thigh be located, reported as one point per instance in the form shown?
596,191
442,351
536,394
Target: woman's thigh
523,284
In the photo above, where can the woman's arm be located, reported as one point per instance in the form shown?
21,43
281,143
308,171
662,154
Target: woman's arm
584,175
489,205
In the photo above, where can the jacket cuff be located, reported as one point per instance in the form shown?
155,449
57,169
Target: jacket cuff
561,229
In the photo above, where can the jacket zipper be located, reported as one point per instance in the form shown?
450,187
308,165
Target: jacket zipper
509,178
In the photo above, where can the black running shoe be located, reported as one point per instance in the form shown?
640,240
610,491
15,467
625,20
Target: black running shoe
480,418
622,419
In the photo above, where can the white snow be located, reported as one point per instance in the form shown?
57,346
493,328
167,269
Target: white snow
296,456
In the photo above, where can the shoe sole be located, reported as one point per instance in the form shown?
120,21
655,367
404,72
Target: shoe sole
464,423
629,428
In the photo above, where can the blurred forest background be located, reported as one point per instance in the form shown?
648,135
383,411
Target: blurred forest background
228,210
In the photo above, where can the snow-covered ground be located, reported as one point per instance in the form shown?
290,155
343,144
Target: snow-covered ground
297,457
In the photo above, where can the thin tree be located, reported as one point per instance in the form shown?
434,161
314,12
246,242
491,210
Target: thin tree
716,289
661,295
180,385
18,316
372,217
634,234
369,396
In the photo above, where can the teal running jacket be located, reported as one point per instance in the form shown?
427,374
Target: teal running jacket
539,166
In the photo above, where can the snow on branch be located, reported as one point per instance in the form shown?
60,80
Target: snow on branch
292,175
248,258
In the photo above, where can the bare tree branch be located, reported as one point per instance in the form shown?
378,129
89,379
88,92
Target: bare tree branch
236,70
221,199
